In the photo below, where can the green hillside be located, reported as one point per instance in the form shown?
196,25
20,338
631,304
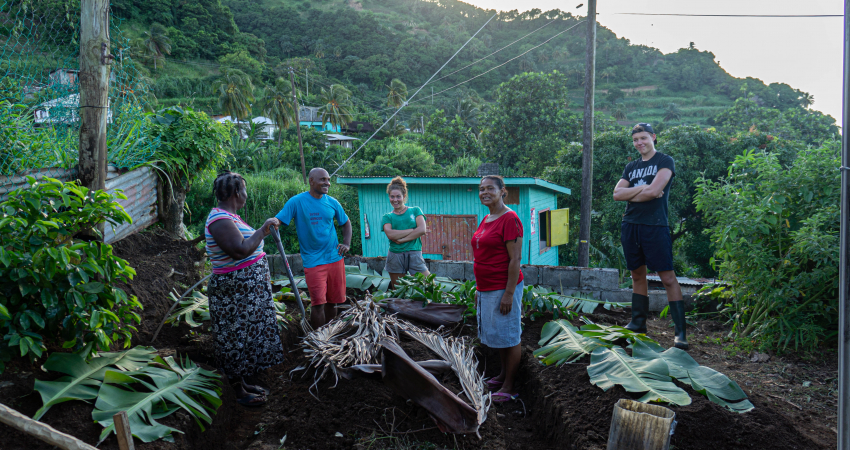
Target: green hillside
366,44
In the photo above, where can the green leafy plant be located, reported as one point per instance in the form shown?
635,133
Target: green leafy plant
434,289
776,231
83,378
705,380
156,391
562,343
610,366
197,303
53,283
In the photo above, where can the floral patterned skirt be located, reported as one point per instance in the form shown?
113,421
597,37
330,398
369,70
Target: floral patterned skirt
244,325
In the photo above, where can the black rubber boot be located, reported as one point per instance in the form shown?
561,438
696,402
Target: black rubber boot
677,312
640,306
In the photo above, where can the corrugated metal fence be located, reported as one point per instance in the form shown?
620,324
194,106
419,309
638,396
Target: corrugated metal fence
138,185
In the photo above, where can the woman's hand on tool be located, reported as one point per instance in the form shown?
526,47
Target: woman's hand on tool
269,223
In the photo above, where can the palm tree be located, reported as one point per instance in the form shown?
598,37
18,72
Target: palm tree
526,64
468,112
542,56
155,42
672,112
397,94
619,112
279,106
417,122
336,106
808,99
606,73
394,127
235,93
319,49
337,52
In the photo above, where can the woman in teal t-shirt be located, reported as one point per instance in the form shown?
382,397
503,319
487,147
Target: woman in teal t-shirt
403,227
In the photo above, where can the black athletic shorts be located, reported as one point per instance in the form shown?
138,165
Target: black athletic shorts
647,245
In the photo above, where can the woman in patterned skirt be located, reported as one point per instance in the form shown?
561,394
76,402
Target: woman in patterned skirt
244,322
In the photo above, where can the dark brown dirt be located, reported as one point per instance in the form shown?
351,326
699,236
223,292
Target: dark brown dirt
559,407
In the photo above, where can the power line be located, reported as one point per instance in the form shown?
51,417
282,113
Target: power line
500,65
414,94
735,15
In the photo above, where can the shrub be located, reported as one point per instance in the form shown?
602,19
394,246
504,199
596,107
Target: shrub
52,283
776,234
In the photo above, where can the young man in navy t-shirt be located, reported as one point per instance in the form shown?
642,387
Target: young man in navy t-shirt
324,270
645,233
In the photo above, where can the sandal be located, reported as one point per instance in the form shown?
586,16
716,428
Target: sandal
250,400
502,397
494,384
256,389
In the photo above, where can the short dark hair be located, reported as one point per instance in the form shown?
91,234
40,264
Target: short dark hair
497,178
226,184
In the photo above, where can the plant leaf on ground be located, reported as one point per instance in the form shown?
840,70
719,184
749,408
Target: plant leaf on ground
610,366
154,392
705,380
565,344
611,333
197,303
83,378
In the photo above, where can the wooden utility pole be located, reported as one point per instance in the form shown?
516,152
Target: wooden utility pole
298,125
94,88
844,264
587,141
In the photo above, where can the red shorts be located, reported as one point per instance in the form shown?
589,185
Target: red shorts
326,283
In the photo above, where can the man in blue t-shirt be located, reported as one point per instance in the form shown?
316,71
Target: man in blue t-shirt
324,271
645,233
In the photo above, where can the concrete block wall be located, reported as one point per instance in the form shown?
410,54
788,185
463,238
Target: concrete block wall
602,284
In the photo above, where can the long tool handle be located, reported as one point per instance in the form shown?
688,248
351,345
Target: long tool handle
292,283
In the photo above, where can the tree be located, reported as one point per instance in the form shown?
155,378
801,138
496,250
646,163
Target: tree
337,52
619,112
279,106
672,112
235,93
397,94
336,106
156,42
529,123
319,49
449,138
243,61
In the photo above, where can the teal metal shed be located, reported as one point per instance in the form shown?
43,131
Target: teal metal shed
453,212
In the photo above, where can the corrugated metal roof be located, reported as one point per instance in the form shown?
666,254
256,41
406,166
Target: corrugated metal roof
510,181
684,281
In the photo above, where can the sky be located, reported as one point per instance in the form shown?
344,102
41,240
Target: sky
805,53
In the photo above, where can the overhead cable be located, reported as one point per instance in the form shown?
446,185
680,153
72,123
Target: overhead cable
414,95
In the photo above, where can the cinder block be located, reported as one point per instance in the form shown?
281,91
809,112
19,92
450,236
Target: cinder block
448,269
296,264
468,270
657,300
617,295
592,278
593,294
530,275
560,277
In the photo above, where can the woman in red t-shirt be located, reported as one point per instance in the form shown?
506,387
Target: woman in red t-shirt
496,249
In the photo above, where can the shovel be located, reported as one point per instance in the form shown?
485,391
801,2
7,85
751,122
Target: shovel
304,323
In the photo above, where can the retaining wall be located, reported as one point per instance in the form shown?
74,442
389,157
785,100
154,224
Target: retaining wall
602,284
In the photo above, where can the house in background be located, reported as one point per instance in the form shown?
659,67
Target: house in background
453,212
341,140
267,126
358,127
62,111
309,116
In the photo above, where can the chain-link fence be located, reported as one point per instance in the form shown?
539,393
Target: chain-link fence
39,94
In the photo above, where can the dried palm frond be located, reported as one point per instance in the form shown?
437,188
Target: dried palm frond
458,352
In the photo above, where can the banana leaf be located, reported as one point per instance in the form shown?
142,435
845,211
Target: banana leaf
705,380
562,344
612,333
83,378
154,392
610,366
197,303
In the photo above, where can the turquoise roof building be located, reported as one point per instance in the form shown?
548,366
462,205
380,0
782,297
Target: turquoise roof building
453,212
